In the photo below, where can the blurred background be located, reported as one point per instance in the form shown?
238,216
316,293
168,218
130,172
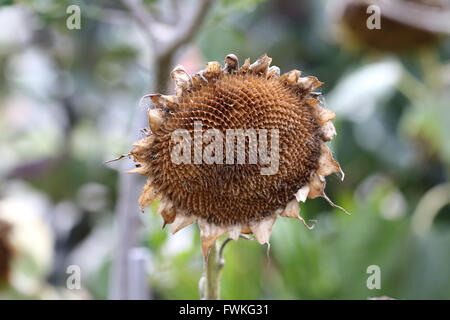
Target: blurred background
69,101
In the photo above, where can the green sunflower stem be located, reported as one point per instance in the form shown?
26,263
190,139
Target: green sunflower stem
212,274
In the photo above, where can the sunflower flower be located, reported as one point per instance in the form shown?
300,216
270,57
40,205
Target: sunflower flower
279,160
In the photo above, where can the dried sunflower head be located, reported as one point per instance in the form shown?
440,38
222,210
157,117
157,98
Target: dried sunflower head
200,174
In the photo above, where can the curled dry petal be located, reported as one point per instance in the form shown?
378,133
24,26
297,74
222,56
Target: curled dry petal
231,63
245,229
316,186
292,209
323,115
279,211
302,193
331,203
182,219
212,70
328,130
309,83
142,144
141,148
274,72
234,231
118,158
312,102
327,165
245,66
155,119
209,233
142,170
161,101
261,65
182,80
167,210
262,229
291,77
149,193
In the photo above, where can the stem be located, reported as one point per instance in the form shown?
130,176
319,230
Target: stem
209,285
428,208
212,272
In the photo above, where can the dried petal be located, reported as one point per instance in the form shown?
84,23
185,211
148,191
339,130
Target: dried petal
231,63
149,193
162,101
291,77
328,130
142,144
142,170
141,148
279,211
167,210
182,80
245,229
292,209
261,65
309,83
323,115
316,186
182,220
312,102
213,69
198,79
302,193
118,158
262,229
327,165
209,233
245,66
234,231
155,119
274,72
331,203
